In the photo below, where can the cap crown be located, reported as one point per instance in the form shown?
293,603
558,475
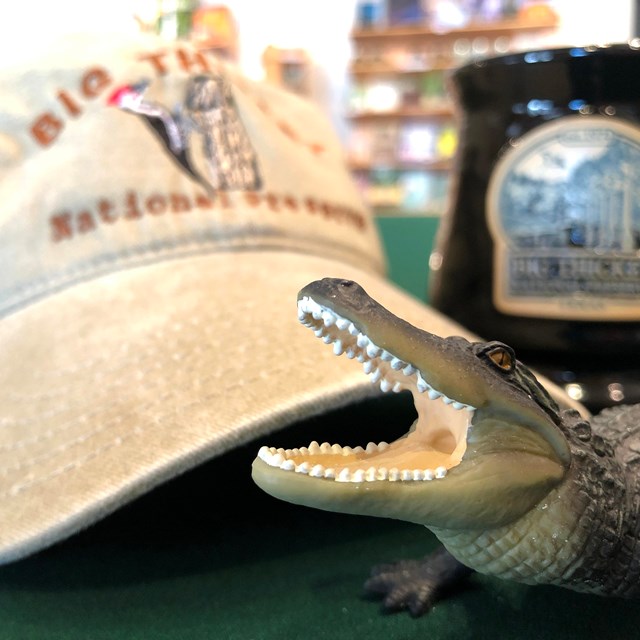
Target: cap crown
120,156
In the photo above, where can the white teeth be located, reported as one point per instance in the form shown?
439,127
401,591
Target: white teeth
284,460
328,319
365,350
373,351
385,370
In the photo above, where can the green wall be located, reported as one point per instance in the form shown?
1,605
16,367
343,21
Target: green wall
408,242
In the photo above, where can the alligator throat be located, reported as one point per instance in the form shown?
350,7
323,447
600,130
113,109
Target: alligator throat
435,443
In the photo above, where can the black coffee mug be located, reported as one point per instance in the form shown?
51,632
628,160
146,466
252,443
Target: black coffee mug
540,246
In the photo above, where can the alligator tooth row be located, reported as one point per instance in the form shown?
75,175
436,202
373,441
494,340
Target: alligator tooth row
355,344
315,449
282,459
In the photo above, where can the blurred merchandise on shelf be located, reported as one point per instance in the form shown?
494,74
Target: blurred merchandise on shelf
406,11
424,90
433,91
413,143
417,143
447,142
214,28
210,28
175,18
442,15
424,192
401,114
370,13
383,189
407,191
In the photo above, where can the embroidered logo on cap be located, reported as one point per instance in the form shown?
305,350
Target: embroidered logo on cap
204,135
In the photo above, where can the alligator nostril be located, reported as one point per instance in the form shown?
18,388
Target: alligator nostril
346,283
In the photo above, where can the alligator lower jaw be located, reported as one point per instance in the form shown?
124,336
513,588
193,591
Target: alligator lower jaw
435,444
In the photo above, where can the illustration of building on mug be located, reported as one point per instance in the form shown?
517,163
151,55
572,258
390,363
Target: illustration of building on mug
563,207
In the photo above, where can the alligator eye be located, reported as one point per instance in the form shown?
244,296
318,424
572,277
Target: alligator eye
501,355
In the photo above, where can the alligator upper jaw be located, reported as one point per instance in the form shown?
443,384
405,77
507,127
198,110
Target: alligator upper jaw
422,477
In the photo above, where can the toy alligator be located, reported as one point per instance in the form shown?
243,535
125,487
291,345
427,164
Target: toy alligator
510,484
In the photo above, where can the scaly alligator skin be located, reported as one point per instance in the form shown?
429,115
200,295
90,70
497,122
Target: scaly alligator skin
511,485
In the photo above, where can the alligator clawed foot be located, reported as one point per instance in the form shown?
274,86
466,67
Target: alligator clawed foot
416,585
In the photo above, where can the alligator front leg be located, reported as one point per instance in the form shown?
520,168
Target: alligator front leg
417,585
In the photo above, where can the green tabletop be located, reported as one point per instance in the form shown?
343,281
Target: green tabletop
211,556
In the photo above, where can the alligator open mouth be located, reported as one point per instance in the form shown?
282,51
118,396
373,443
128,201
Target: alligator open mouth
436,442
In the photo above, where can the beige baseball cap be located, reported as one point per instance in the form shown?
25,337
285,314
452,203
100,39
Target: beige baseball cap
159,214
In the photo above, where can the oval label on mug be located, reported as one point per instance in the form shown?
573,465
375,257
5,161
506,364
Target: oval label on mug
563,208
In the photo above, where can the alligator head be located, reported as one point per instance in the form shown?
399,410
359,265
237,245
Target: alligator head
486,446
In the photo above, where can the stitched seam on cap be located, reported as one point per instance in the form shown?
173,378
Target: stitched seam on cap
27,294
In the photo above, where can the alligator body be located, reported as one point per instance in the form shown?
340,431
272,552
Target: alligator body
512,485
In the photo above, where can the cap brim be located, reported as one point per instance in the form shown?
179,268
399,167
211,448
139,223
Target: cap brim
113,386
